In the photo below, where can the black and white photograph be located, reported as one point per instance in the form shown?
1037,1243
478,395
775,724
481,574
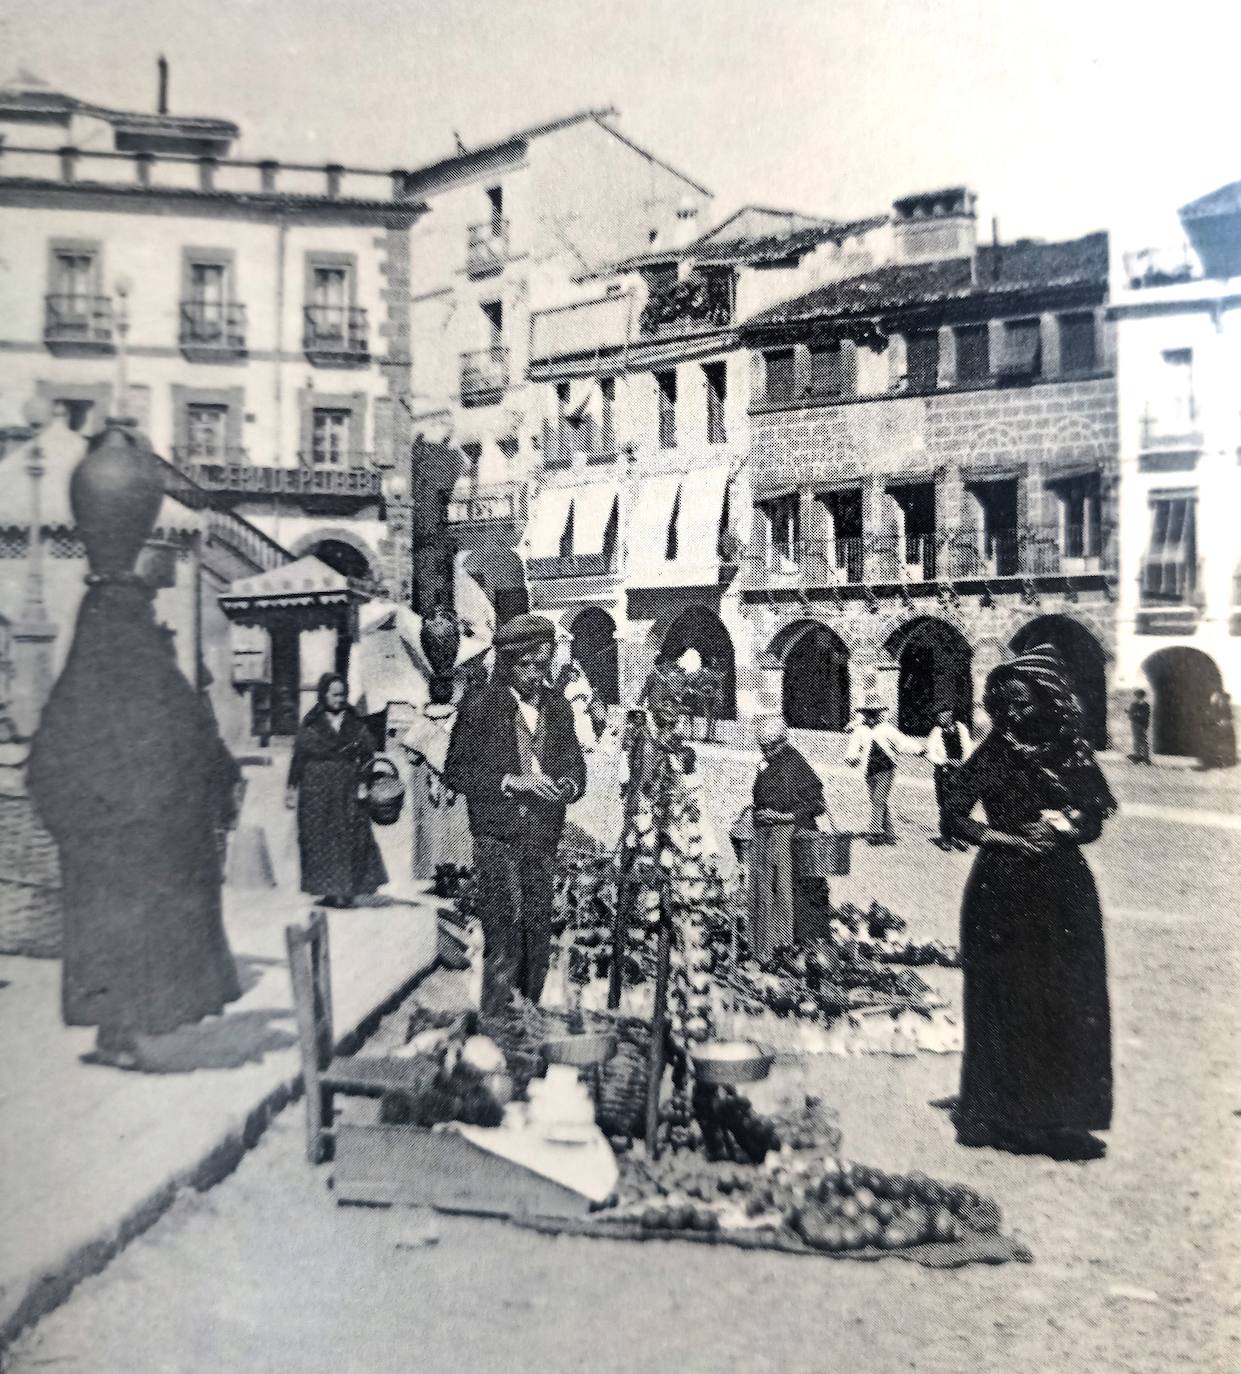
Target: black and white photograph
617,634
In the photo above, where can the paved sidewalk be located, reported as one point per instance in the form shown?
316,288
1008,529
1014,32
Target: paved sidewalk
91,1156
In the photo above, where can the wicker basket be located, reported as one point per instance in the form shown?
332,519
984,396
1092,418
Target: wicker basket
30,910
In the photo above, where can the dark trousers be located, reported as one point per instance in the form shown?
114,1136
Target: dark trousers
878,785
943,773
515,910
1141,743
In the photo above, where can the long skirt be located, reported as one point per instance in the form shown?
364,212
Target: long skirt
1038,1044
771,889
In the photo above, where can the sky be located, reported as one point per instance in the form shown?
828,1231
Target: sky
1064,115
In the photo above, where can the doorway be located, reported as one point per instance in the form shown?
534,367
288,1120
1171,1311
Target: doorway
816,681
1182,681
1086,663
934,669
286,679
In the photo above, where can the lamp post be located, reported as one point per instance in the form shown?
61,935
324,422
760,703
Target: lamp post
33,634
123,286
396,509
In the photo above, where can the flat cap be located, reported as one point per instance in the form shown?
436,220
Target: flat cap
524,632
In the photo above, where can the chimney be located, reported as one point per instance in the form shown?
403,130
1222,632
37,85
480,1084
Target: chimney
162,107
935,226
685,230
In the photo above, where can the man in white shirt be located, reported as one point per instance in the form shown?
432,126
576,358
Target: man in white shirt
947,747
877,742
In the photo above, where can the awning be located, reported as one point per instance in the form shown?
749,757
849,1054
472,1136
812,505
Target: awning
546,526
305,582
592,509
702,508
698,512
646,539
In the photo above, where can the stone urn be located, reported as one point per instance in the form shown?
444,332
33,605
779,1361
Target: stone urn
116,492
440,639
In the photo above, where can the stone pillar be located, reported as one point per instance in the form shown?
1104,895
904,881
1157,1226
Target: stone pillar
1049,342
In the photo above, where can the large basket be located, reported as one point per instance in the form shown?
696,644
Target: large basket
30,908
385,792
820,854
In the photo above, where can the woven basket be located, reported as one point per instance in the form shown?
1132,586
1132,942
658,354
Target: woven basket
30,911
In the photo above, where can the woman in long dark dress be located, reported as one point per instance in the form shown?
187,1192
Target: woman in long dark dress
1036,1075
327,784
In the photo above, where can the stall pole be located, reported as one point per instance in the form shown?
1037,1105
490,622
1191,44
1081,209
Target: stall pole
659,1024
624,889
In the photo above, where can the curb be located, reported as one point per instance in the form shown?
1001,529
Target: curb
48,1291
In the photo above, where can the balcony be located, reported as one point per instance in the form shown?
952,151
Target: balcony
702,302
336,335
930,560
211,331
484,376
74,326
584,435
483,506
1170,597
486,248
572,565
241,479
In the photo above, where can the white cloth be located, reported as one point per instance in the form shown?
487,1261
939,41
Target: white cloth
885,736
935,751
441,827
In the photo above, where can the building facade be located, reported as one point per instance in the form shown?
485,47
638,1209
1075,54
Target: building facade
263,312
514,226
1177,315
934,460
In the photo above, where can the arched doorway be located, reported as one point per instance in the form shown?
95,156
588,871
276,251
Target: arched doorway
1084,658
933,659
594,647
1182,681
703,631
342,558
815,689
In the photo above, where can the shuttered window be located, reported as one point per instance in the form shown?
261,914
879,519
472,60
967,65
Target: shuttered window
1077,343
922,360
1169,574
973,354
779,375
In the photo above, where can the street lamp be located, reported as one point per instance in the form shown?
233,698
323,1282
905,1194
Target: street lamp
37,412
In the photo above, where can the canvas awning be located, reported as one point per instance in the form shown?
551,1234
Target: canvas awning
307,582
548,518
592,510
696,501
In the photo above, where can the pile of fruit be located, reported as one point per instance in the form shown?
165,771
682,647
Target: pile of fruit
455,1074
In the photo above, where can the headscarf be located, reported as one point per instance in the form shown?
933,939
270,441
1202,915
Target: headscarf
325,682
1066,755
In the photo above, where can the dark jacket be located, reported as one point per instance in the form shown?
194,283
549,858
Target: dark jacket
483,749
789,785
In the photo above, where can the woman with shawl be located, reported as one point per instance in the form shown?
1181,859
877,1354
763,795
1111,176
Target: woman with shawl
441,826
132,780
1036,1075
327,784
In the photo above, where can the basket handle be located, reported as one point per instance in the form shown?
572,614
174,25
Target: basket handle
387,762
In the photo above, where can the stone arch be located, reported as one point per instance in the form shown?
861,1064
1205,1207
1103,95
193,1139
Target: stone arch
698,628
993,441
1182,680
934,668
337,534
1079,436
1084,657
815,690
594,646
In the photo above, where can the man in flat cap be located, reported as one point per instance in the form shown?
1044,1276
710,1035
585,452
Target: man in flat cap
515,757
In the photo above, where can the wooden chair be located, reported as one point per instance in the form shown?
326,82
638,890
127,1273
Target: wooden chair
324,1073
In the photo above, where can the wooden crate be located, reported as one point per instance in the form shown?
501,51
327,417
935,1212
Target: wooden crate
408,1165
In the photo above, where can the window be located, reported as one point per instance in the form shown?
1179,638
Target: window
1081,527
207,283
74,279
1077,343
1022,355
206,428
495,200
1169,574
329,445
778,365
330,301
607,434
666,383
717,393
829,370
565,549
1174,411
783,520
973,354
922,360
76,413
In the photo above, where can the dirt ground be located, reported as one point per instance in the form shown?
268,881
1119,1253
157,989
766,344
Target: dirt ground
1137,1257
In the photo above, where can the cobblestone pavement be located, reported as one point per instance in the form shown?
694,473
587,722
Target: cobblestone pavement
1137,1258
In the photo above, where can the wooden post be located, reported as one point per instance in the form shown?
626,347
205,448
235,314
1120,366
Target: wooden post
659,1024
624,886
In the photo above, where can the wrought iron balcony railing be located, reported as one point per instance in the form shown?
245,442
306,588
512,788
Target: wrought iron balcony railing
213,327
484,376
85,321
1170,583
336,332
950,555
486,249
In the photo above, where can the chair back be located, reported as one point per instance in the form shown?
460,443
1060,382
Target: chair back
311,973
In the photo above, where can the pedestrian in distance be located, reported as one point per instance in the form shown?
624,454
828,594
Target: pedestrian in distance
1218,733
788,796
515,757
327,785
876,742
1139,713
1036,1074
947,747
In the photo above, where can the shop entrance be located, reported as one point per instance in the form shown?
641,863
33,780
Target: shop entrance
816,681
934,670
1084,658
594,647
703,631
1182,681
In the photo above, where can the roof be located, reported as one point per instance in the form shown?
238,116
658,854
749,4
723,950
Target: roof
1224,201
469,159
997,270
30,94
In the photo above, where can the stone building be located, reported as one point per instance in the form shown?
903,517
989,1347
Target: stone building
514,225
261,313
933,455
1177,313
